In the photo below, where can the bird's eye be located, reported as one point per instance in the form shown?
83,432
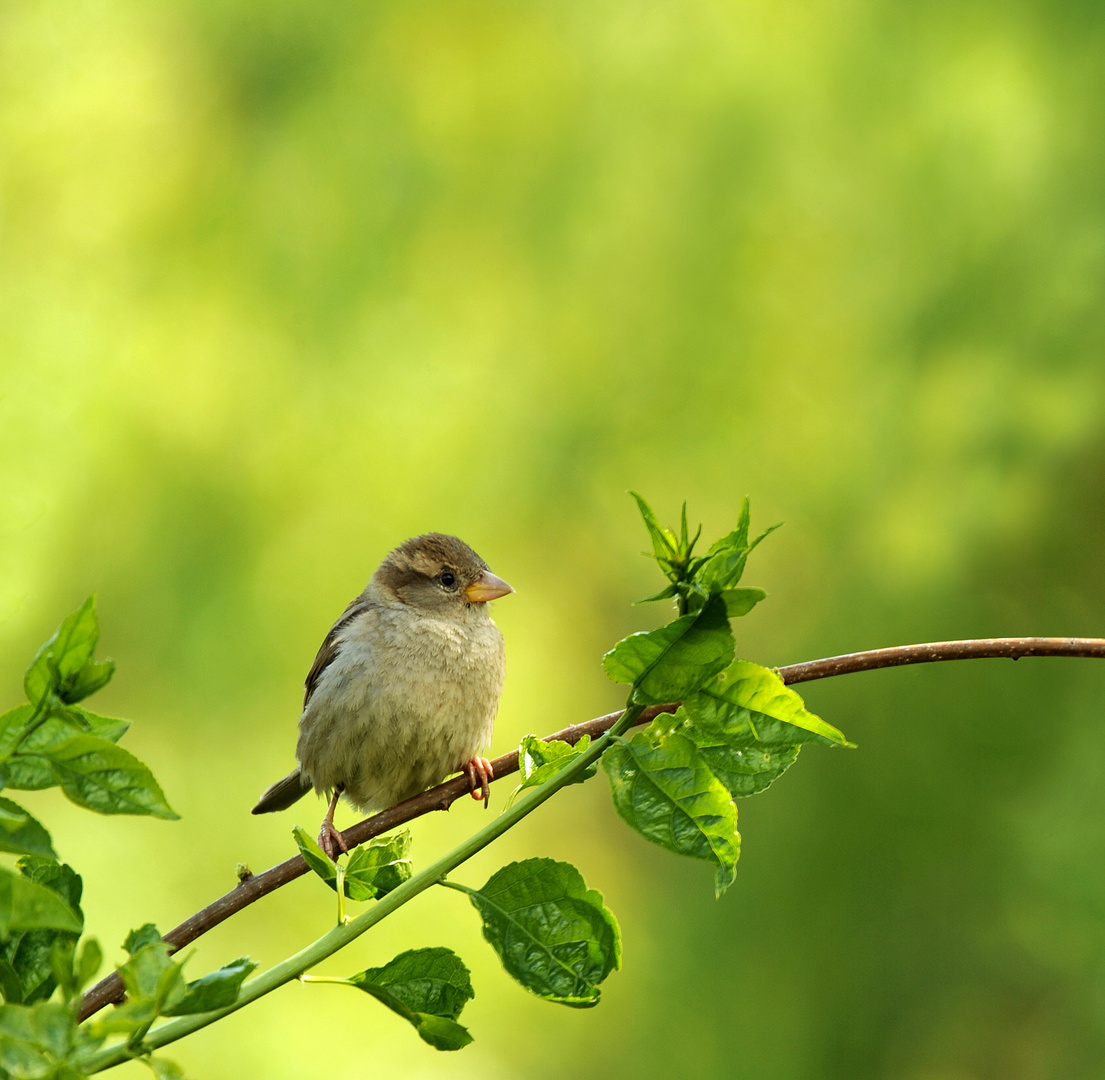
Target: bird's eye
447,580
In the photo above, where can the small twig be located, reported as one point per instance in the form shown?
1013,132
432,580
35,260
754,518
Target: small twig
251,889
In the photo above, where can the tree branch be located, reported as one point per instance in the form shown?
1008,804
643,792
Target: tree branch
252,888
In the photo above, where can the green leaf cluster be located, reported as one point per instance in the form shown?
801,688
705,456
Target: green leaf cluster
738,727
553,935
539,760
693,579
43,1042
156,986
372,869
38,1037
53,742
43,923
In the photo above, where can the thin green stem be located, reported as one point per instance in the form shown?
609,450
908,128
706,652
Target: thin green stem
341,935
340,885
456,885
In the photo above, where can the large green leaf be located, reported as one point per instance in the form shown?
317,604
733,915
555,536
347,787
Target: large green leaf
743,770
750,704
663,788
428,988
214,991
20,833
552,933
26,905
63,654
97,774
675,660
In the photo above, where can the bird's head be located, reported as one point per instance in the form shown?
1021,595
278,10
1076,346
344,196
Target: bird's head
438,574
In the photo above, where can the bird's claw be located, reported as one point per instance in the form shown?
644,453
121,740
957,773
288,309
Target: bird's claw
331,841
481,789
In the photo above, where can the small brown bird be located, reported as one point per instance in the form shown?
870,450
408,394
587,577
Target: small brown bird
405,687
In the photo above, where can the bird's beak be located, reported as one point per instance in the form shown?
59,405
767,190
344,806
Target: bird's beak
486,587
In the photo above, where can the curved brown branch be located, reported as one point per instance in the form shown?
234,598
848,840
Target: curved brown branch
441,797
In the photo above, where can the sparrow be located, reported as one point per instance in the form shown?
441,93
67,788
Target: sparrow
405,687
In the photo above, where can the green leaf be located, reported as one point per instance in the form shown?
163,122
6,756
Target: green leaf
315,858
11,986
147,934
34,1039
428,988
214,991
154,983
744,768
748,704
12,724
57,876
538,760
164,1069
64,653
675,660
91,958
30,770
440,1033
741,601
26,905
664,544
738,538
67,972
552,933
663,788
97,774
373,869
22,834
95,675
727,557
30,953
665,593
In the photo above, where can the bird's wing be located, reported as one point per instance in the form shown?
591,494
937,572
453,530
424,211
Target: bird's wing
329,647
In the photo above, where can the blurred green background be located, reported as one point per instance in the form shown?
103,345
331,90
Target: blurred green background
282,284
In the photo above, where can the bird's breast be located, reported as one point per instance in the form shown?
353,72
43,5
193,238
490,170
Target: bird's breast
406,701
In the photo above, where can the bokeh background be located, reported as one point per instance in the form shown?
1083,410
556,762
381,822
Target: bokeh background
282,284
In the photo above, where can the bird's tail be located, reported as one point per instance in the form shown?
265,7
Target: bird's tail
283,793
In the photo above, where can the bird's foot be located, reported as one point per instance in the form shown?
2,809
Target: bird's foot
331,841
481,788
